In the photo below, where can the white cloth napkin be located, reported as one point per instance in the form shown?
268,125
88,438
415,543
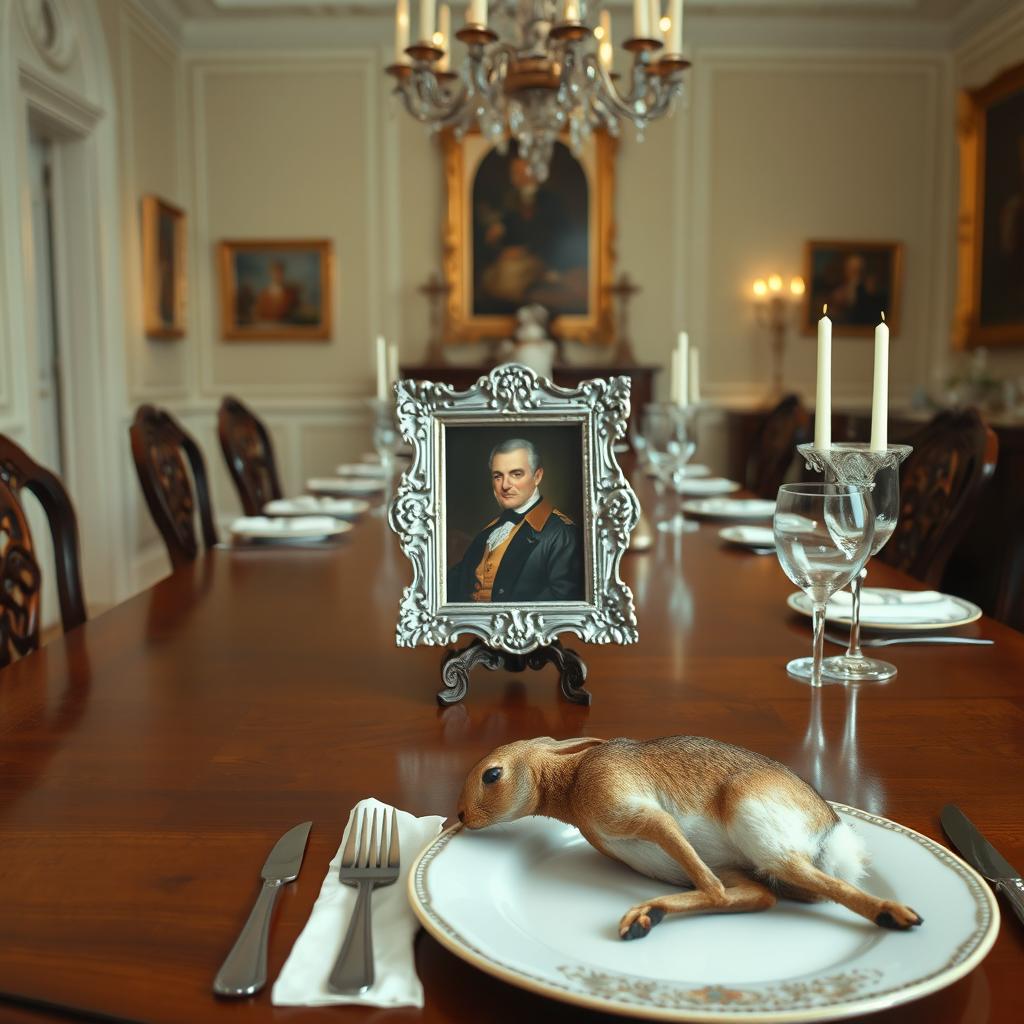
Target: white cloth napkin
909,606
303,979
708,485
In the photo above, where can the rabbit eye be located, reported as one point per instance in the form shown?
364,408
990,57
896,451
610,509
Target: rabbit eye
491,775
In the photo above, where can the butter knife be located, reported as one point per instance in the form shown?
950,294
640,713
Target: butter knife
983,857
244,972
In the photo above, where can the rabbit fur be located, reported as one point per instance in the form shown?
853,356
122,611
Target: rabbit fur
736,827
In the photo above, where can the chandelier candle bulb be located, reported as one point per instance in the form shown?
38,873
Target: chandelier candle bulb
401,31
428,19
477,14
823,397
382,369
675,32
880,394
445,29
641,19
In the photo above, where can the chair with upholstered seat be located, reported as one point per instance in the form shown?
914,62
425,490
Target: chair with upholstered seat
249,454
159,447
20,576
774,446
941,484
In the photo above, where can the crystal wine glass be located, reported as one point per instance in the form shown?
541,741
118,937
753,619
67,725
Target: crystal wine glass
823,535
669,442
853,666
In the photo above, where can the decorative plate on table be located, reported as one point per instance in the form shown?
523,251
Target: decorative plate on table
310,505
731,508
359,469
748,536
885,608
290,528
532,903
345,485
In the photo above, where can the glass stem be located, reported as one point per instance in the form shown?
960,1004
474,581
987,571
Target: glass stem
854,651
819,643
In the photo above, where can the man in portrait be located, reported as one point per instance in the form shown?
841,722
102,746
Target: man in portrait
531,551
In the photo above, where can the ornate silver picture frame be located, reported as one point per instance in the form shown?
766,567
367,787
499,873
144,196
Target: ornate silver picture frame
511,402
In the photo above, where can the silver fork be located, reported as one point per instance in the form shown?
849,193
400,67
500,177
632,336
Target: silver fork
375,865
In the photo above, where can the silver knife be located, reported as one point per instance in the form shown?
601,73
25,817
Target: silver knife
244,972
983,856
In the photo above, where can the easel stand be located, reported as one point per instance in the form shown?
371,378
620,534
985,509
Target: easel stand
456,666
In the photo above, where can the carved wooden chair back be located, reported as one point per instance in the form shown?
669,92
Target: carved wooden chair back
249,453
774,446
160,447
20,576
941,483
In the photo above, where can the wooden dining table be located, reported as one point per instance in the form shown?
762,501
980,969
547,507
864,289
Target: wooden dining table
150,759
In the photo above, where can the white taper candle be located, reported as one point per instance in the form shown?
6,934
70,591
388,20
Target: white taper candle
401,31
382,369
675,32
392,366
694,376
477,13
683,368
823,396
428,20
641,19
880,392
445,28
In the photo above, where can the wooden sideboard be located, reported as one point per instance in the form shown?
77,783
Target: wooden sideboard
569,376
987,567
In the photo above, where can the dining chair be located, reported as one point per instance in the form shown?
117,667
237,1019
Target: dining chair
20,575
941,485
773,447
249,453
159,447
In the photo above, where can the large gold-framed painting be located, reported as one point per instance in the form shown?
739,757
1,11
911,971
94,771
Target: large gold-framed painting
511,242
990,251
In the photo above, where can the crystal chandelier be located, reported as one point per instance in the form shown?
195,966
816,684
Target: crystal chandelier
547,69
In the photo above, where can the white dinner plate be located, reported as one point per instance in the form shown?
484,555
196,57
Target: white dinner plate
749,536
345,485
369,469
707,486
310,505
885,608
291,528
731,508
532,903
691,470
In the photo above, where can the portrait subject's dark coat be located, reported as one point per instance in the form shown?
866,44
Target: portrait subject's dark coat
543,562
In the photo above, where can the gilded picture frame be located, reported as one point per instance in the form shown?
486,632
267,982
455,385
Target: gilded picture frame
509,243
990,243
276,290
163,268
858,280
512,402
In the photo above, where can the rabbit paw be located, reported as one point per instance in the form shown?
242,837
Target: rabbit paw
638,921
898,917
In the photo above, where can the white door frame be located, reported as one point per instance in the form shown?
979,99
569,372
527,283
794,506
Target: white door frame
79,113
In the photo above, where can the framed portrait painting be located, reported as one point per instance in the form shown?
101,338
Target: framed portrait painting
859,281
510,241
990,252
275,290
515,513
163,268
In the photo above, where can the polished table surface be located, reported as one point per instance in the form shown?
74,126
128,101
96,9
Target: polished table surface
149,760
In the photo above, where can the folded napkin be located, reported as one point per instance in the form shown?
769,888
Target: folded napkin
303,979
264,527
708,485
899,606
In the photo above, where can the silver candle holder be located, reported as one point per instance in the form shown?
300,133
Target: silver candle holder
854,462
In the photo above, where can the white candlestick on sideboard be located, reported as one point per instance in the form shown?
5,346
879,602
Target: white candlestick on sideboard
823,395
382,369
694,376
682,368
880,391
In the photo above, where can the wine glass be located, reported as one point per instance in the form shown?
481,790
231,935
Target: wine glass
669,442
385,443
853,666
823,534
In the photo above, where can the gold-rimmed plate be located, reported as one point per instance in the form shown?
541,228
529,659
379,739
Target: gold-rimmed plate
901,610
532,903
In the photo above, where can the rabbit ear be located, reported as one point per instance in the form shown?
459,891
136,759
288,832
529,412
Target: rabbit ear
570,746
